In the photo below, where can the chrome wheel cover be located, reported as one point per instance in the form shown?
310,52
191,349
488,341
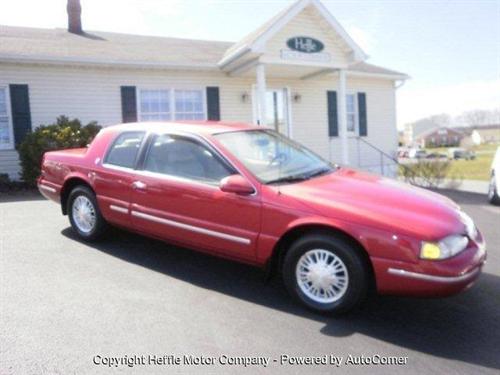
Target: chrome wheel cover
83,213
322,276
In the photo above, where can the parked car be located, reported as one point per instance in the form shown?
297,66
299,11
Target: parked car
493,194
416,153
403,153
461,153
437,156
250,194
420,154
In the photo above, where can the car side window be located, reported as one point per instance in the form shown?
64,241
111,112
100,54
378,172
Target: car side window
124,150
187,158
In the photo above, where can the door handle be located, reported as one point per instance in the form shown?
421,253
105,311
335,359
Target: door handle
139,185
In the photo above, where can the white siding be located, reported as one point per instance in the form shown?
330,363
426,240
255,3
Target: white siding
94,94
308,23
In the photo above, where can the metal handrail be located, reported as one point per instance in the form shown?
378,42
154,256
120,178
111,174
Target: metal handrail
377,149
382,154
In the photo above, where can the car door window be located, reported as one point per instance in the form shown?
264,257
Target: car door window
186,158
123,152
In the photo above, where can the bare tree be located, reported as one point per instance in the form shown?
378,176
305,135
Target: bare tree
480,117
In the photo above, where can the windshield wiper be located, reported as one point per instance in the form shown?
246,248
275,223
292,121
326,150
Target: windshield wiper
319,172
300,177
297,178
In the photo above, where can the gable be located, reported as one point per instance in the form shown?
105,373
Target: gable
308,24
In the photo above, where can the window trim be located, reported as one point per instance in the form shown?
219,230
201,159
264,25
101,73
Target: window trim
199,140
145,138
171,94
10,124
356,113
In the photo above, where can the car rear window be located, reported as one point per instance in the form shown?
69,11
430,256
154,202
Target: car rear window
123,152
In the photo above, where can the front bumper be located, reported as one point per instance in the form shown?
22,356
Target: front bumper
431,278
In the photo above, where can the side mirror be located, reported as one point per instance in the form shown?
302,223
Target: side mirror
236,184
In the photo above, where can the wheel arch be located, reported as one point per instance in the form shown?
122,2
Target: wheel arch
292,234
69,185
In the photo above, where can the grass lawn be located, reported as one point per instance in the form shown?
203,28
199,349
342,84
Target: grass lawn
477,169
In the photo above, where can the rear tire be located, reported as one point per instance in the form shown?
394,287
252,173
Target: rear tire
326,273
493,196
84,214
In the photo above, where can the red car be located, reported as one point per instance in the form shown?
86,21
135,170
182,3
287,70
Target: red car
252,195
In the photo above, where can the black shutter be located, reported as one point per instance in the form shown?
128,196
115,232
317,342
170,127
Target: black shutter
333,126
21,115
213,106
129,104
363,129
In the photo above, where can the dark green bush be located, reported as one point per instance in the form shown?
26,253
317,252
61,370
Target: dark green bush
426,173
65,133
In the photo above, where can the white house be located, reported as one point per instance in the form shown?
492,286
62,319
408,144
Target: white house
300,72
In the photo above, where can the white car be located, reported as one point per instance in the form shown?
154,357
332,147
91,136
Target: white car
493,196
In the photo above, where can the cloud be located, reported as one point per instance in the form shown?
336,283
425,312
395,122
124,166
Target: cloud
413,104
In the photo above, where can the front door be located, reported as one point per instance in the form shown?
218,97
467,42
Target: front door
177,198
114,177
277,106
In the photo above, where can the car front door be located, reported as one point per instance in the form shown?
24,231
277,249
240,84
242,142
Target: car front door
113,177
176,197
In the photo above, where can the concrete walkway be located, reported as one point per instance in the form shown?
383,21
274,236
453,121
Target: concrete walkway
472,186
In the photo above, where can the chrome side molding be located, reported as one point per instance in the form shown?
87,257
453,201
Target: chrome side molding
122,210
191,228
48,188
438,279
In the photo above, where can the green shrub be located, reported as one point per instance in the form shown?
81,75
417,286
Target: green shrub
427,173
65,133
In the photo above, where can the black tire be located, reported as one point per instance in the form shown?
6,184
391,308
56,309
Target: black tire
358,272
100,225
493,196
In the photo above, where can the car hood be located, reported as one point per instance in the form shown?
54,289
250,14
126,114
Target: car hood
371,200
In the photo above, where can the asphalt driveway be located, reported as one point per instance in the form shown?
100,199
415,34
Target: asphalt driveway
64,302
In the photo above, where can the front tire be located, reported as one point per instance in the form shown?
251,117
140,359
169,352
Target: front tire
326,273
84,214
493,196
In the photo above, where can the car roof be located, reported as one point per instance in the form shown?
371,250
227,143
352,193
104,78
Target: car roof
195,127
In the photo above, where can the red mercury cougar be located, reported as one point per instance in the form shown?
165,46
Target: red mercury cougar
252,195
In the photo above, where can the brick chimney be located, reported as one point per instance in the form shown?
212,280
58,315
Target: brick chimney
74,17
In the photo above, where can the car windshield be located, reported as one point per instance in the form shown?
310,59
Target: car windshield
273,158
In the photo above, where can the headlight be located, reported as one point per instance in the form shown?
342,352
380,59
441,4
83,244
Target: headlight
446,248
470,227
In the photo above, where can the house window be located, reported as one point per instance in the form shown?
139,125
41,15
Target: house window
168,104
189,105
155,105
351,112
5,133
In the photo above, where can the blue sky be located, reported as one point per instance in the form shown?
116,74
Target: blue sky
451,49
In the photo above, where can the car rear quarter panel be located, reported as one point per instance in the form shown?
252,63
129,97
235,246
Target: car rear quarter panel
59,167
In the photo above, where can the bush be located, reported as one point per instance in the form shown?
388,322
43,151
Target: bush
9,186
65,133
427,173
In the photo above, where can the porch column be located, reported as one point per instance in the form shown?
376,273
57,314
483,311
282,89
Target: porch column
261,93
341,109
